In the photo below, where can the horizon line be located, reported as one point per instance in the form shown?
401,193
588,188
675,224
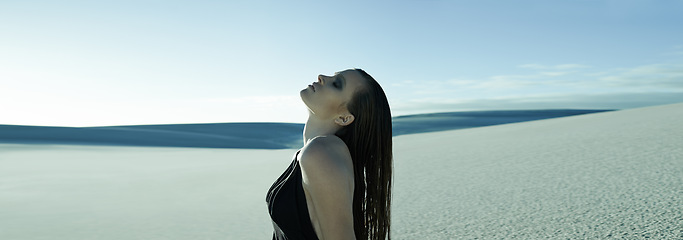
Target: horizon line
284,122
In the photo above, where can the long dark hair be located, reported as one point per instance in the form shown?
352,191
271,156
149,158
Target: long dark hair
368,138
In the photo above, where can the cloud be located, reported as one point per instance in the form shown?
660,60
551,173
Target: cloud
549,87
522,81
532,66
553,67
570,66
653,77
661,76
554,74
563,101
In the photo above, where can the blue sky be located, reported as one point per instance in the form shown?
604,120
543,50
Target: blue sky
95,63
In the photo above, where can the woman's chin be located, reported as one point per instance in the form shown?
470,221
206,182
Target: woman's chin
304,94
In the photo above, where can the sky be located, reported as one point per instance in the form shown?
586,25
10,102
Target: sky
100,63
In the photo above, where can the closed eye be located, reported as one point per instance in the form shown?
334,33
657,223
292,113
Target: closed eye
338,82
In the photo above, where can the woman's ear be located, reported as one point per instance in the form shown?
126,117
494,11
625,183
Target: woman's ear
344,120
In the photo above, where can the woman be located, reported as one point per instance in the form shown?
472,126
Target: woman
339,184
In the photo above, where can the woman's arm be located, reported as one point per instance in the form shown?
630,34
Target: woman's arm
327,171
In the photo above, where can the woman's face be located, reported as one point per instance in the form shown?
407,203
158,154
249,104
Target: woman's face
327,98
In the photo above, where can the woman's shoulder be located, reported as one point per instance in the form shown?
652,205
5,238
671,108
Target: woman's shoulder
325,155
326,143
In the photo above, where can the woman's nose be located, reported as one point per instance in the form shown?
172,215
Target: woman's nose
320,78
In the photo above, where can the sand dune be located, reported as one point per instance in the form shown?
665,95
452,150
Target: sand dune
252,135
605,175
435,122
210,135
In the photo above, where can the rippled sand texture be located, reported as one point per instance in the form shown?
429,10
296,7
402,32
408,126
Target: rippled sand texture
598,176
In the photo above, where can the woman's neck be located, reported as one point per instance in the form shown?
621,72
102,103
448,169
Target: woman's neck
316,127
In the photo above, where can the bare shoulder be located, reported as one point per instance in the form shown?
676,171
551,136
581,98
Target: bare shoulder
326,157
328,181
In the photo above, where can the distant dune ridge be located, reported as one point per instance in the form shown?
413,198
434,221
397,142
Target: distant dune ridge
606,175
434,122
253,135
216,135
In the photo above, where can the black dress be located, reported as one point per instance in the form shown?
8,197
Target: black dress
287,206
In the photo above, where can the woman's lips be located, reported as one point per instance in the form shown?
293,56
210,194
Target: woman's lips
313,87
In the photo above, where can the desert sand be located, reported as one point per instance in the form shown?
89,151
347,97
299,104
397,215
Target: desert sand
605,175
598,176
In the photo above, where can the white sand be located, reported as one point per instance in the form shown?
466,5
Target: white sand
86,192
606,175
